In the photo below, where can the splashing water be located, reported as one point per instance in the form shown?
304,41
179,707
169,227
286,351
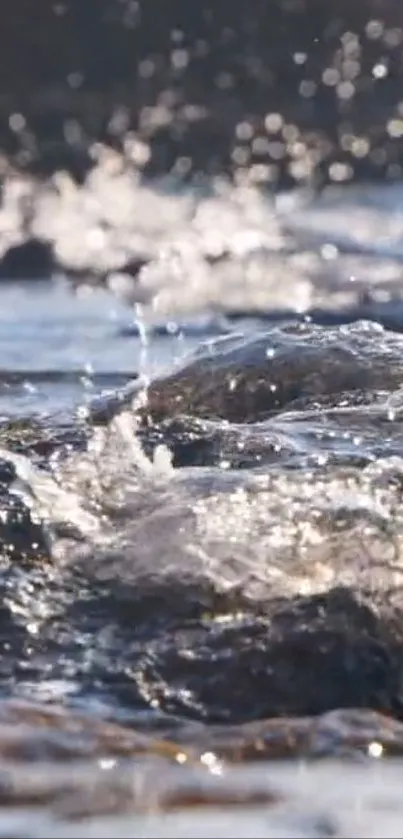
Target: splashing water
218,560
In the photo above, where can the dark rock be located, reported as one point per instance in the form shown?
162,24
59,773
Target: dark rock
311,655
154,632
249,379
30,260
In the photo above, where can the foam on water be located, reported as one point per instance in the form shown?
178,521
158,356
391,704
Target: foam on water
269,535
214,248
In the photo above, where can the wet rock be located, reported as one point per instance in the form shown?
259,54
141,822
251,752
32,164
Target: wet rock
249,379
215,594
186,652
66,774
30,260
62,768
22,538
311,655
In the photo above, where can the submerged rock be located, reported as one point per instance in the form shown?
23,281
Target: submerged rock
66,773
29,260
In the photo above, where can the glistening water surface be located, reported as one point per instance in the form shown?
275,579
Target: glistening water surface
201,512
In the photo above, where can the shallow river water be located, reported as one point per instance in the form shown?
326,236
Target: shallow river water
202,512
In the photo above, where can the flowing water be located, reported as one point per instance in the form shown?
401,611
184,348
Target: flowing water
201,454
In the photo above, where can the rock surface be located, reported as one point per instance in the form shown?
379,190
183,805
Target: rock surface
222,594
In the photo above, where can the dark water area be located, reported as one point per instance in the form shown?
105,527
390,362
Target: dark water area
201,446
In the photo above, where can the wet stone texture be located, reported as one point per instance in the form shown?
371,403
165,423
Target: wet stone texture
219,594
226,614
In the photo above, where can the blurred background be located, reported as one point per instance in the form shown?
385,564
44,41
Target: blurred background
195,160
289,90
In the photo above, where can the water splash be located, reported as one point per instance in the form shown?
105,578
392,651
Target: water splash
270,534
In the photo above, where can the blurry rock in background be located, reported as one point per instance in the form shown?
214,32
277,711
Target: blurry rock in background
97,97
287,91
